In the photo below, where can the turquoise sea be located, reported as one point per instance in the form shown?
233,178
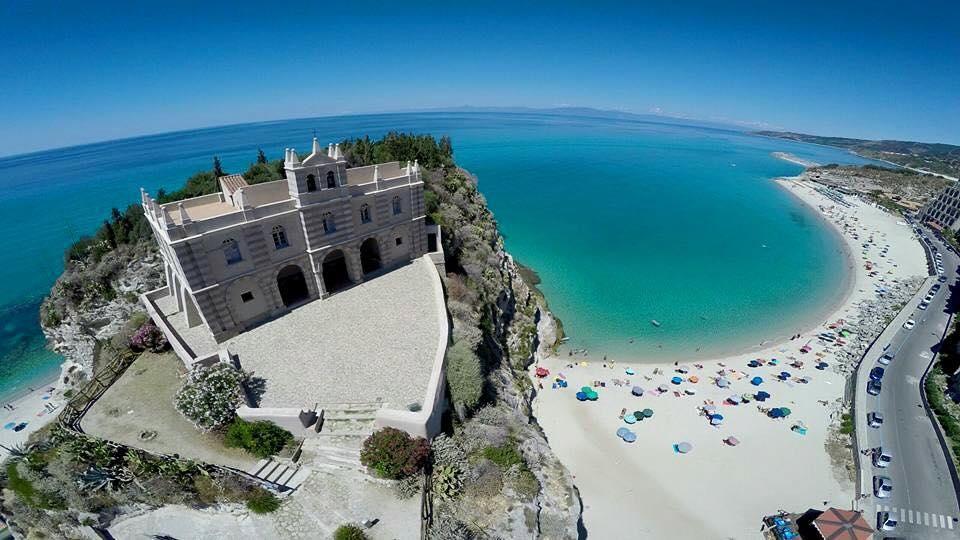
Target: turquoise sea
624,220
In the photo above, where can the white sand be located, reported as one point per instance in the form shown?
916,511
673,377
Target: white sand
32,408
646,490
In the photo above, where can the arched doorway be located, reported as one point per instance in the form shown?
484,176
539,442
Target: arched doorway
335,276
369,255
292,285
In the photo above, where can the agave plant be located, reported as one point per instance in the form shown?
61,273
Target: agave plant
447,482
96,478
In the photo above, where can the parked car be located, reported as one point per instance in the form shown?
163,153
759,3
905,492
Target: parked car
882,458
882,487
924,305
909,324
874,419
886,359
876,374
942,279
874,387
885,522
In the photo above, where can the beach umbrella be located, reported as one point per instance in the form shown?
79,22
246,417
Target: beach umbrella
762,396
662,388
622,431
630,419
756,381
630,371
722,382
676,380
694,379
581,396
9,425
733,441
716,420
775,413
637,391
735,399
753,363
647,413
638,414
683,447
630,437
785,411
586,389
746,398
592,396
709,408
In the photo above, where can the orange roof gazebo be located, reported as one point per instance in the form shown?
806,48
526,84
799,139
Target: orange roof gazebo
835,524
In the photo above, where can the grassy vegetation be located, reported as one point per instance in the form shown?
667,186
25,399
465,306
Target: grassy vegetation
947,412
262,501
846,424
349,531
262,439
505,455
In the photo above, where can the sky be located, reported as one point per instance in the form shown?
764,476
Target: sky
79,72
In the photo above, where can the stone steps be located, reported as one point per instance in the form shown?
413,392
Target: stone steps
282,474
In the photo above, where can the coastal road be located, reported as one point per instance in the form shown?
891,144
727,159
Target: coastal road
924,500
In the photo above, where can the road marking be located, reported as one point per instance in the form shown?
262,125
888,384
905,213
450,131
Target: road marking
943,522
910,516
903,515
950,523
926,519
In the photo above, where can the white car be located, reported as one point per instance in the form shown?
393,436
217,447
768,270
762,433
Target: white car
909,324
923,305
874,419
885,522
882,459
882,487
885,359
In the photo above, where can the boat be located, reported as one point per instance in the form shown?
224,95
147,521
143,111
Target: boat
655,322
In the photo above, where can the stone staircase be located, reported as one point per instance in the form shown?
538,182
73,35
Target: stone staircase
348,420
324,455
284,474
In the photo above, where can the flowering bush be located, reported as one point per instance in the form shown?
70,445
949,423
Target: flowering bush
394,454
211,396
148,337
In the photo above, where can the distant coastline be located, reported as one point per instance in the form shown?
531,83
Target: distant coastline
786,156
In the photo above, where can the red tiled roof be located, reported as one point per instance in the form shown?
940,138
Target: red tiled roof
836,524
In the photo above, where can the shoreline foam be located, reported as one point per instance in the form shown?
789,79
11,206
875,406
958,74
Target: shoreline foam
718,491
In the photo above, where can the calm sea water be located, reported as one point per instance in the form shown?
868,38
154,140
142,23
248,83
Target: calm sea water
625,221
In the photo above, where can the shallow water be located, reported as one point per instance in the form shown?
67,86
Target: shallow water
625,221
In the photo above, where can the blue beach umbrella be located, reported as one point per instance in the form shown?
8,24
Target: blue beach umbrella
629,437
676,380
784,375
622,431
630,419
581,396
630,371
10,425
762,396
756,381
637,391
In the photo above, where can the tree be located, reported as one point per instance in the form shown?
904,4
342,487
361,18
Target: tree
211,397
217,169
261,157
109,235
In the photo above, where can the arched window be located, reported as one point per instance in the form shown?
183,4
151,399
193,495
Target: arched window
329,225
231,251
365,213
280,237
397,208
311,182
331,180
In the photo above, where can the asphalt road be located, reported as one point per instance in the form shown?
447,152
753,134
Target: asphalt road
923,500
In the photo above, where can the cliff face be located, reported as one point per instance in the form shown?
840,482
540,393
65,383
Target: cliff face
497,313
91,302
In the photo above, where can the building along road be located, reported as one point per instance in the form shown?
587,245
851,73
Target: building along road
923,500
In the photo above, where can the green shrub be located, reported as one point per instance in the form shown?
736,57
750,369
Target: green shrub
349,531
505,455
464,376
262,501
394,454
846,424
28,493
261,439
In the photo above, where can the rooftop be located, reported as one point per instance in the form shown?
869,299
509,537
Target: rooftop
360,345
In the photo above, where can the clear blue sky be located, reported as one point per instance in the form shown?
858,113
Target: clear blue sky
83,73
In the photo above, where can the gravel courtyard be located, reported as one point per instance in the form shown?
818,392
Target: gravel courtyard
373,342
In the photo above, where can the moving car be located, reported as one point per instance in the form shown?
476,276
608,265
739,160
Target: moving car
886,359
885,522
882,487
882,458
876,374
874,419
874,387
909,324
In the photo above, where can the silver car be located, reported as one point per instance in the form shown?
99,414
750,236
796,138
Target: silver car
882,487
874,419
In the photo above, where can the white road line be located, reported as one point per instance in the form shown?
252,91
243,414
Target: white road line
910,516
950,523
933,520
943,522
886,508
926,519
903,515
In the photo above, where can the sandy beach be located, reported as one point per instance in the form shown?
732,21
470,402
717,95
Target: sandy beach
37,408
646,489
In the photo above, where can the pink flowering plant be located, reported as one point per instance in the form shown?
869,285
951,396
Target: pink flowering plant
148,338
211,396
